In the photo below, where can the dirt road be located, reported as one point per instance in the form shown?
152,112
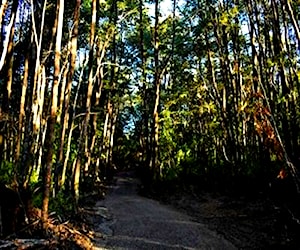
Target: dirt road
129,221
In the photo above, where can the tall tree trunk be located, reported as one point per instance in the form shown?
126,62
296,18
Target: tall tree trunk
293,19
66,106
6,73
154,164
53,113
72,126
82,145
37,87
101,49
2,11
22,107
145,131
7,52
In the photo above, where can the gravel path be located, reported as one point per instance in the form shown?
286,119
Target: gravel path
130,221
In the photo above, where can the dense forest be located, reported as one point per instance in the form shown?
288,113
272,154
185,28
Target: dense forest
201,92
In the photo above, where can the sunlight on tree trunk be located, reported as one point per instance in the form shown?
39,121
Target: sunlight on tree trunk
53,113
84,134
67,93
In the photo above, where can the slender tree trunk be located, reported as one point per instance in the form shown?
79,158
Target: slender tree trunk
6,73
154,164
293,19
101,50
72,127
22,107
145,132
7,53
82,145
2,10
53,114
37,96
7,58
113,129
66,106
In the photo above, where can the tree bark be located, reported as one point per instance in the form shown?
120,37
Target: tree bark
154,164
67,93
84,135
53,114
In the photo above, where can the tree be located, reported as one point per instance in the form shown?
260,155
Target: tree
53,112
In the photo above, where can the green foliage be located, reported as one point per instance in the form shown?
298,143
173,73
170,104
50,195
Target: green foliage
37,197
6,172
34,177
63,204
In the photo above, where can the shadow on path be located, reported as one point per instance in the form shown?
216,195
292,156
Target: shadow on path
135,222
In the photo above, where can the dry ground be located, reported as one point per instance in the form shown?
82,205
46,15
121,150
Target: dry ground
189,220
130,221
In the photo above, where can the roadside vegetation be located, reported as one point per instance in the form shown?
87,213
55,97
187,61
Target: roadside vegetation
197,96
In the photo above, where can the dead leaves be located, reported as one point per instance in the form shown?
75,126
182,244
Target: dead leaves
261,116
65,235
67,232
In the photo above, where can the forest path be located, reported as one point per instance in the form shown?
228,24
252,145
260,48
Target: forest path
129,221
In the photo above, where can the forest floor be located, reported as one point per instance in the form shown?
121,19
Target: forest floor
248,223
184,220
171,218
